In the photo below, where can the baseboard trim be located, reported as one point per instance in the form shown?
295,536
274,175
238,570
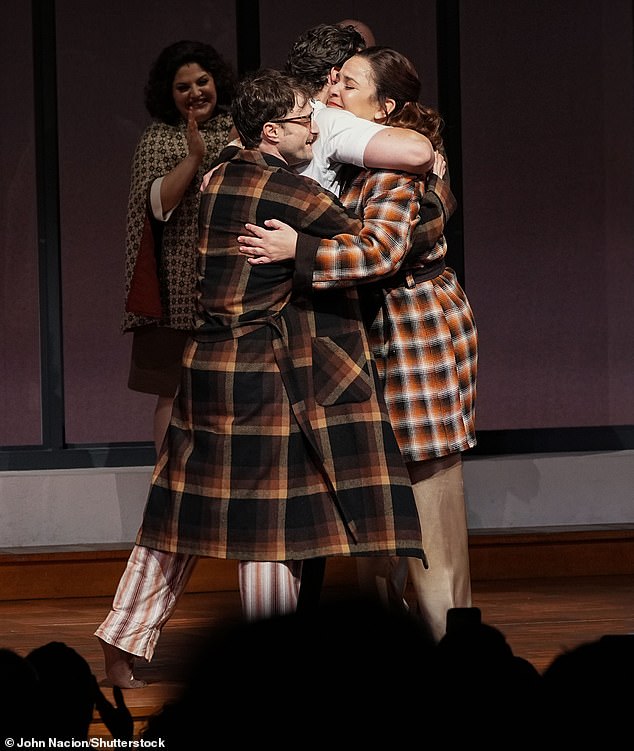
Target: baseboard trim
552,552
94,571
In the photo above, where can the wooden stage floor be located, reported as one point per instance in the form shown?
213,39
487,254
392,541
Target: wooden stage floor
540,618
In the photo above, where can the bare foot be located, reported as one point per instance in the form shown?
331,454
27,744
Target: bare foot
119,666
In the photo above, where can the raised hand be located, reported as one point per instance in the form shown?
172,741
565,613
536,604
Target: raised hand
117,719
440,165
195,141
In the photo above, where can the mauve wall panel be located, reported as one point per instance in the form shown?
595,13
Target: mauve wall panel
547,145
105,53
20,408
547,107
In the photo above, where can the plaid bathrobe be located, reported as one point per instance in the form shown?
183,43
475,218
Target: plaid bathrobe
279,446
422,330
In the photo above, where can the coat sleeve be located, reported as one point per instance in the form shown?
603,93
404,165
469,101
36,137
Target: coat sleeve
315,213
390,204
437,205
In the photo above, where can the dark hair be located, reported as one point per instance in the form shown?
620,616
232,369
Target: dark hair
159,100
396,78
262,96
319,49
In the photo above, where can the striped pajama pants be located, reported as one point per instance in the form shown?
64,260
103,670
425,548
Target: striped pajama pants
154,580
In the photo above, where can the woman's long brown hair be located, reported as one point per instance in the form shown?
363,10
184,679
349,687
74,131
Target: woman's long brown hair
396,78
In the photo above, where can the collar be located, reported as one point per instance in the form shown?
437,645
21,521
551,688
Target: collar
255,156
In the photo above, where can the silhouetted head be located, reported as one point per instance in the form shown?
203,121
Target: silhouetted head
68,689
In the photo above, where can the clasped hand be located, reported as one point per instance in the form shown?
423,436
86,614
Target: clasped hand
268,245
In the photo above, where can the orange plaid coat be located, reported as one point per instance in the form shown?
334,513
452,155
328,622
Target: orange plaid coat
421,327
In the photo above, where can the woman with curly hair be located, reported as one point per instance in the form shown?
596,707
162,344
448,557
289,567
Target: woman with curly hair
188,94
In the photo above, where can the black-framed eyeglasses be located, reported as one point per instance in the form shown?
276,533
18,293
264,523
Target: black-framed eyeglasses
302,119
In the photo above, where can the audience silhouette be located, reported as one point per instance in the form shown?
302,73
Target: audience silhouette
350,671
484,689
354,672
588,692
334,675
52,693
17,687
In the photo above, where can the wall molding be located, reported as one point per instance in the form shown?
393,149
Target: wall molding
94,570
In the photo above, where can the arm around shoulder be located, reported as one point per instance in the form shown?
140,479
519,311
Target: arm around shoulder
399,149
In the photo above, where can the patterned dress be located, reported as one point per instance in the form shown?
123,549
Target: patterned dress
160,263
280,446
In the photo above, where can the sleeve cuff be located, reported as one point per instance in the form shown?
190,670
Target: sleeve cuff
305,252
441,188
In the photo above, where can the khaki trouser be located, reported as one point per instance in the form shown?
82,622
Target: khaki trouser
446,583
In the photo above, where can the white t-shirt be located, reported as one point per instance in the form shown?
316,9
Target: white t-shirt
342,140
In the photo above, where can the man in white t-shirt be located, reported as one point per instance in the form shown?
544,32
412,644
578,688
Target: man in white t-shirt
314,58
